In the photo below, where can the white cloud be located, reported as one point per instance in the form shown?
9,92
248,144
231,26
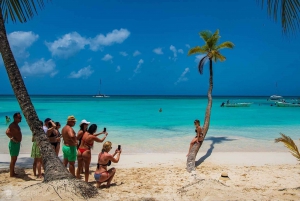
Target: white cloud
180,51
107,57
141,61
174,50
71,43
39,68
199,57
118,69
67,45
19,41
187,45
182,77
116,36
158,50
84,72
136,53
124,54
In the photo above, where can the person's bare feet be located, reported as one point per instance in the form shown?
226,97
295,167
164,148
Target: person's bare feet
98,185
14,175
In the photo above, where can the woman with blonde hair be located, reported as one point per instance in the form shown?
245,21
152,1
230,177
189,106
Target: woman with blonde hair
199,135
104,160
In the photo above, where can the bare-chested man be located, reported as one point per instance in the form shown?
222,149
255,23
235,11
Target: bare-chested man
15,135
70,144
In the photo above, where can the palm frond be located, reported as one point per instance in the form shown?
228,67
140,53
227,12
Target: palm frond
218,56
288,10
196,50
226,44
289,143
205,35
213,40
201,64
21,10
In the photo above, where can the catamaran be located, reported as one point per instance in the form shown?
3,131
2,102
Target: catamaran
99,95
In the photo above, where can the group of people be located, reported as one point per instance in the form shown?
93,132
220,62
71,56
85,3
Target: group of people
76,146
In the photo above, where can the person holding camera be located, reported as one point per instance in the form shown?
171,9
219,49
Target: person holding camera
84,151
104,160
52,134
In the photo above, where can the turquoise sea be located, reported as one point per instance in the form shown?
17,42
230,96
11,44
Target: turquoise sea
136,123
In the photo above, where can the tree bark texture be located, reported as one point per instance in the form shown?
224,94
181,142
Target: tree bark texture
54,169
190,164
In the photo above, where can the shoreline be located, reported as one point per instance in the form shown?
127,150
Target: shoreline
141,160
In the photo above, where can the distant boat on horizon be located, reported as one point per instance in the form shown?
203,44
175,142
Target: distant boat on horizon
276,97
99,95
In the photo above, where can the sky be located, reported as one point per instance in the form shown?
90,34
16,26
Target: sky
139,47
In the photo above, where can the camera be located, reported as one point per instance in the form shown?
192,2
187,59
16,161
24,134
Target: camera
104,130
119,147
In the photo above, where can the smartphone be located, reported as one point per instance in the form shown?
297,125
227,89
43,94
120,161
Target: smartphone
104,130
119,147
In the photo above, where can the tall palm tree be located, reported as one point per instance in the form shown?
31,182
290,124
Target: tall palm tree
23,10
211,49
288,11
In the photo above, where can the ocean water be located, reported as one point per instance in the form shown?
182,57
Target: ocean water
136,123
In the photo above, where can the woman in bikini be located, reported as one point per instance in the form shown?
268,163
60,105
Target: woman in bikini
104,160
199,135
84,150
59,136
52,135
83,128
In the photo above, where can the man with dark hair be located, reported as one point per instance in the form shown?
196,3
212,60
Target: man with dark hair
45,127
15,136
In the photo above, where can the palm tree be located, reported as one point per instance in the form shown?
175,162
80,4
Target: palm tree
290,144
23,10
212,53
287,11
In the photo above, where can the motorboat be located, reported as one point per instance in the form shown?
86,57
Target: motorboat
236,104
285,104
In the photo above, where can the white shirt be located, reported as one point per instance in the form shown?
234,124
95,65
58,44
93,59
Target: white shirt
45,129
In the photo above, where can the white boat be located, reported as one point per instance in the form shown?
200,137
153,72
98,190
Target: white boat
284,104
236,105
275,97
99,95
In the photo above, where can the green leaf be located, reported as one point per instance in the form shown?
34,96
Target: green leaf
226,44
196,50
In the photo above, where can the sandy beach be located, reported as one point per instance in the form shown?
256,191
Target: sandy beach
253,176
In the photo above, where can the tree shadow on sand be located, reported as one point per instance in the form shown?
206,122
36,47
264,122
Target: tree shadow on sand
215,140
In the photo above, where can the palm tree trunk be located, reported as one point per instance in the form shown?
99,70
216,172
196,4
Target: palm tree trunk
54,169
190,164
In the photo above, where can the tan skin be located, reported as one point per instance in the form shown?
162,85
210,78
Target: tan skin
15,135
55,132
199,137
107,175
69,137
79,136
84,159
58,139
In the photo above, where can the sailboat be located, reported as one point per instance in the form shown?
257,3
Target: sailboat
276,97
99,95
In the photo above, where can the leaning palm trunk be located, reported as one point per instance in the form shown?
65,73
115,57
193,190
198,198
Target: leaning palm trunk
54,169
190,165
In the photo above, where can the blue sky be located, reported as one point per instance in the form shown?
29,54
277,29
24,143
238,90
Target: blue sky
140,48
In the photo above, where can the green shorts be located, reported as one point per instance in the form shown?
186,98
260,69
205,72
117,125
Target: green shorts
35,151
14,148
70,153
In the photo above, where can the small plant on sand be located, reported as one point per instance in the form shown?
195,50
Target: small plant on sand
290,144
23,10
211,52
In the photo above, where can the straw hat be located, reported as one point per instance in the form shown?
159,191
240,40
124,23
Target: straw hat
71,118
224,176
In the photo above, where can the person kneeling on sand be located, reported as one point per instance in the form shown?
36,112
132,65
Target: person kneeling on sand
104,160
70,144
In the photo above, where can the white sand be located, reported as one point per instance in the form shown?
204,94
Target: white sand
162,176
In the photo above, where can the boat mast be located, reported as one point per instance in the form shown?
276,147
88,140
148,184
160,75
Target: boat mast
100,88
